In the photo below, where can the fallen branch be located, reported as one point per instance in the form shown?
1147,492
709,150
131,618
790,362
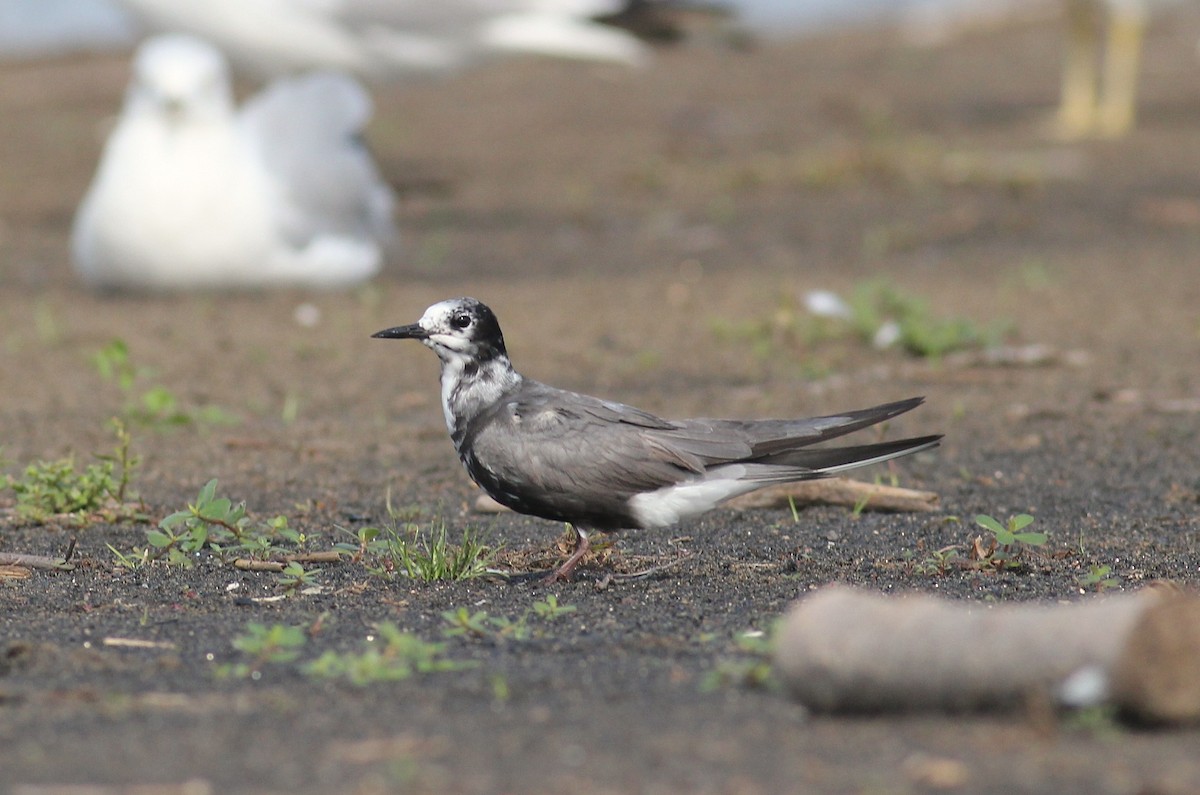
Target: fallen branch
137,643
827,491
328,556
846,650
36,561
248,564
278,564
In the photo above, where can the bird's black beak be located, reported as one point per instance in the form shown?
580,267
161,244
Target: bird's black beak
412,331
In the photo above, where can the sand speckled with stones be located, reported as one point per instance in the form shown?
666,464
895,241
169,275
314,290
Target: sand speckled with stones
620,223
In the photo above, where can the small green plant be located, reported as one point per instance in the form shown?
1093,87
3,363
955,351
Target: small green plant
273,645
1008,541
50,489
113,364
133,560
155,406
463,622
220,526
401,546
860,505
1099,579
862,502
54,488
879,310
295,577
390,656
795,511
937,562
551,609
1100,721
751,668
876,313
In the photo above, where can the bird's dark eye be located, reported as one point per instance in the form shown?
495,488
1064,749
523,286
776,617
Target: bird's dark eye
460,321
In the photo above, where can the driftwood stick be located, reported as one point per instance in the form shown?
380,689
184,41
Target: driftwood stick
846,650
35,561
138,643
278,564
828,491
326,556
249,564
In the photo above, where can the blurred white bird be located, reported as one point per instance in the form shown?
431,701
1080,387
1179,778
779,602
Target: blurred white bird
385,38
190,193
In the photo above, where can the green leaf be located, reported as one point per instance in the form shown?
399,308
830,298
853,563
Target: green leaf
1019,521
1032,539
206,493
215,510
158,539
988,523
159,400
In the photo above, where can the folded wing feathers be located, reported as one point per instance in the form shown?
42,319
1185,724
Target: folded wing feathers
696,445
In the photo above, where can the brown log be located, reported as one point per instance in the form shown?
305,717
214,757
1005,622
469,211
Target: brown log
846,650
35,561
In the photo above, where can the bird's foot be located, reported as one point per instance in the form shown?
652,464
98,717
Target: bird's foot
563,572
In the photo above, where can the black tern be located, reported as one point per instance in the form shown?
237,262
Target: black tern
600,465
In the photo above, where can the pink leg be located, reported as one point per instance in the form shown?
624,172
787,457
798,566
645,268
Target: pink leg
563,572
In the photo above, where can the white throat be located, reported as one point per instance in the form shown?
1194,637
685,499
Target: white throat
469,388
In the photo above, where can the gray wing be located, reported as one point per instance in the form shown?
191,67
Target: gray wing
562,455
567,457
704,443
308,132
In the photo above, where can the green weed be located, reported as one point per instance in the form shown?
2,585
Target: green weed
478,624
274,645
401,546
1099,579
295,577
877,309
877,314
220,526
101,492
751,668
937,562
390,656
154,406
549,608
1008,541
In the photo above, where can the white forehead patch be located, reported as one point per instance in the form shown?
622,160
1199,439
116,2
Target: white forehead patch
436,312
438,315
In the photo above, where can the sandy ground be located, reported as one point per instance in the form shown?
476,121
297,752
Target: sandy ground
646,236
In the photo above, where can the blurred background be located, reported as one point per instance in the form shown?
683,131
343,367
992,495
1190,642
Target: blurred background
31,27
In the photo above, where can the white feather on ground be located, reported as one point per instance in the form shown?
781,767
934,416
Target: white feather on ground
192,194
